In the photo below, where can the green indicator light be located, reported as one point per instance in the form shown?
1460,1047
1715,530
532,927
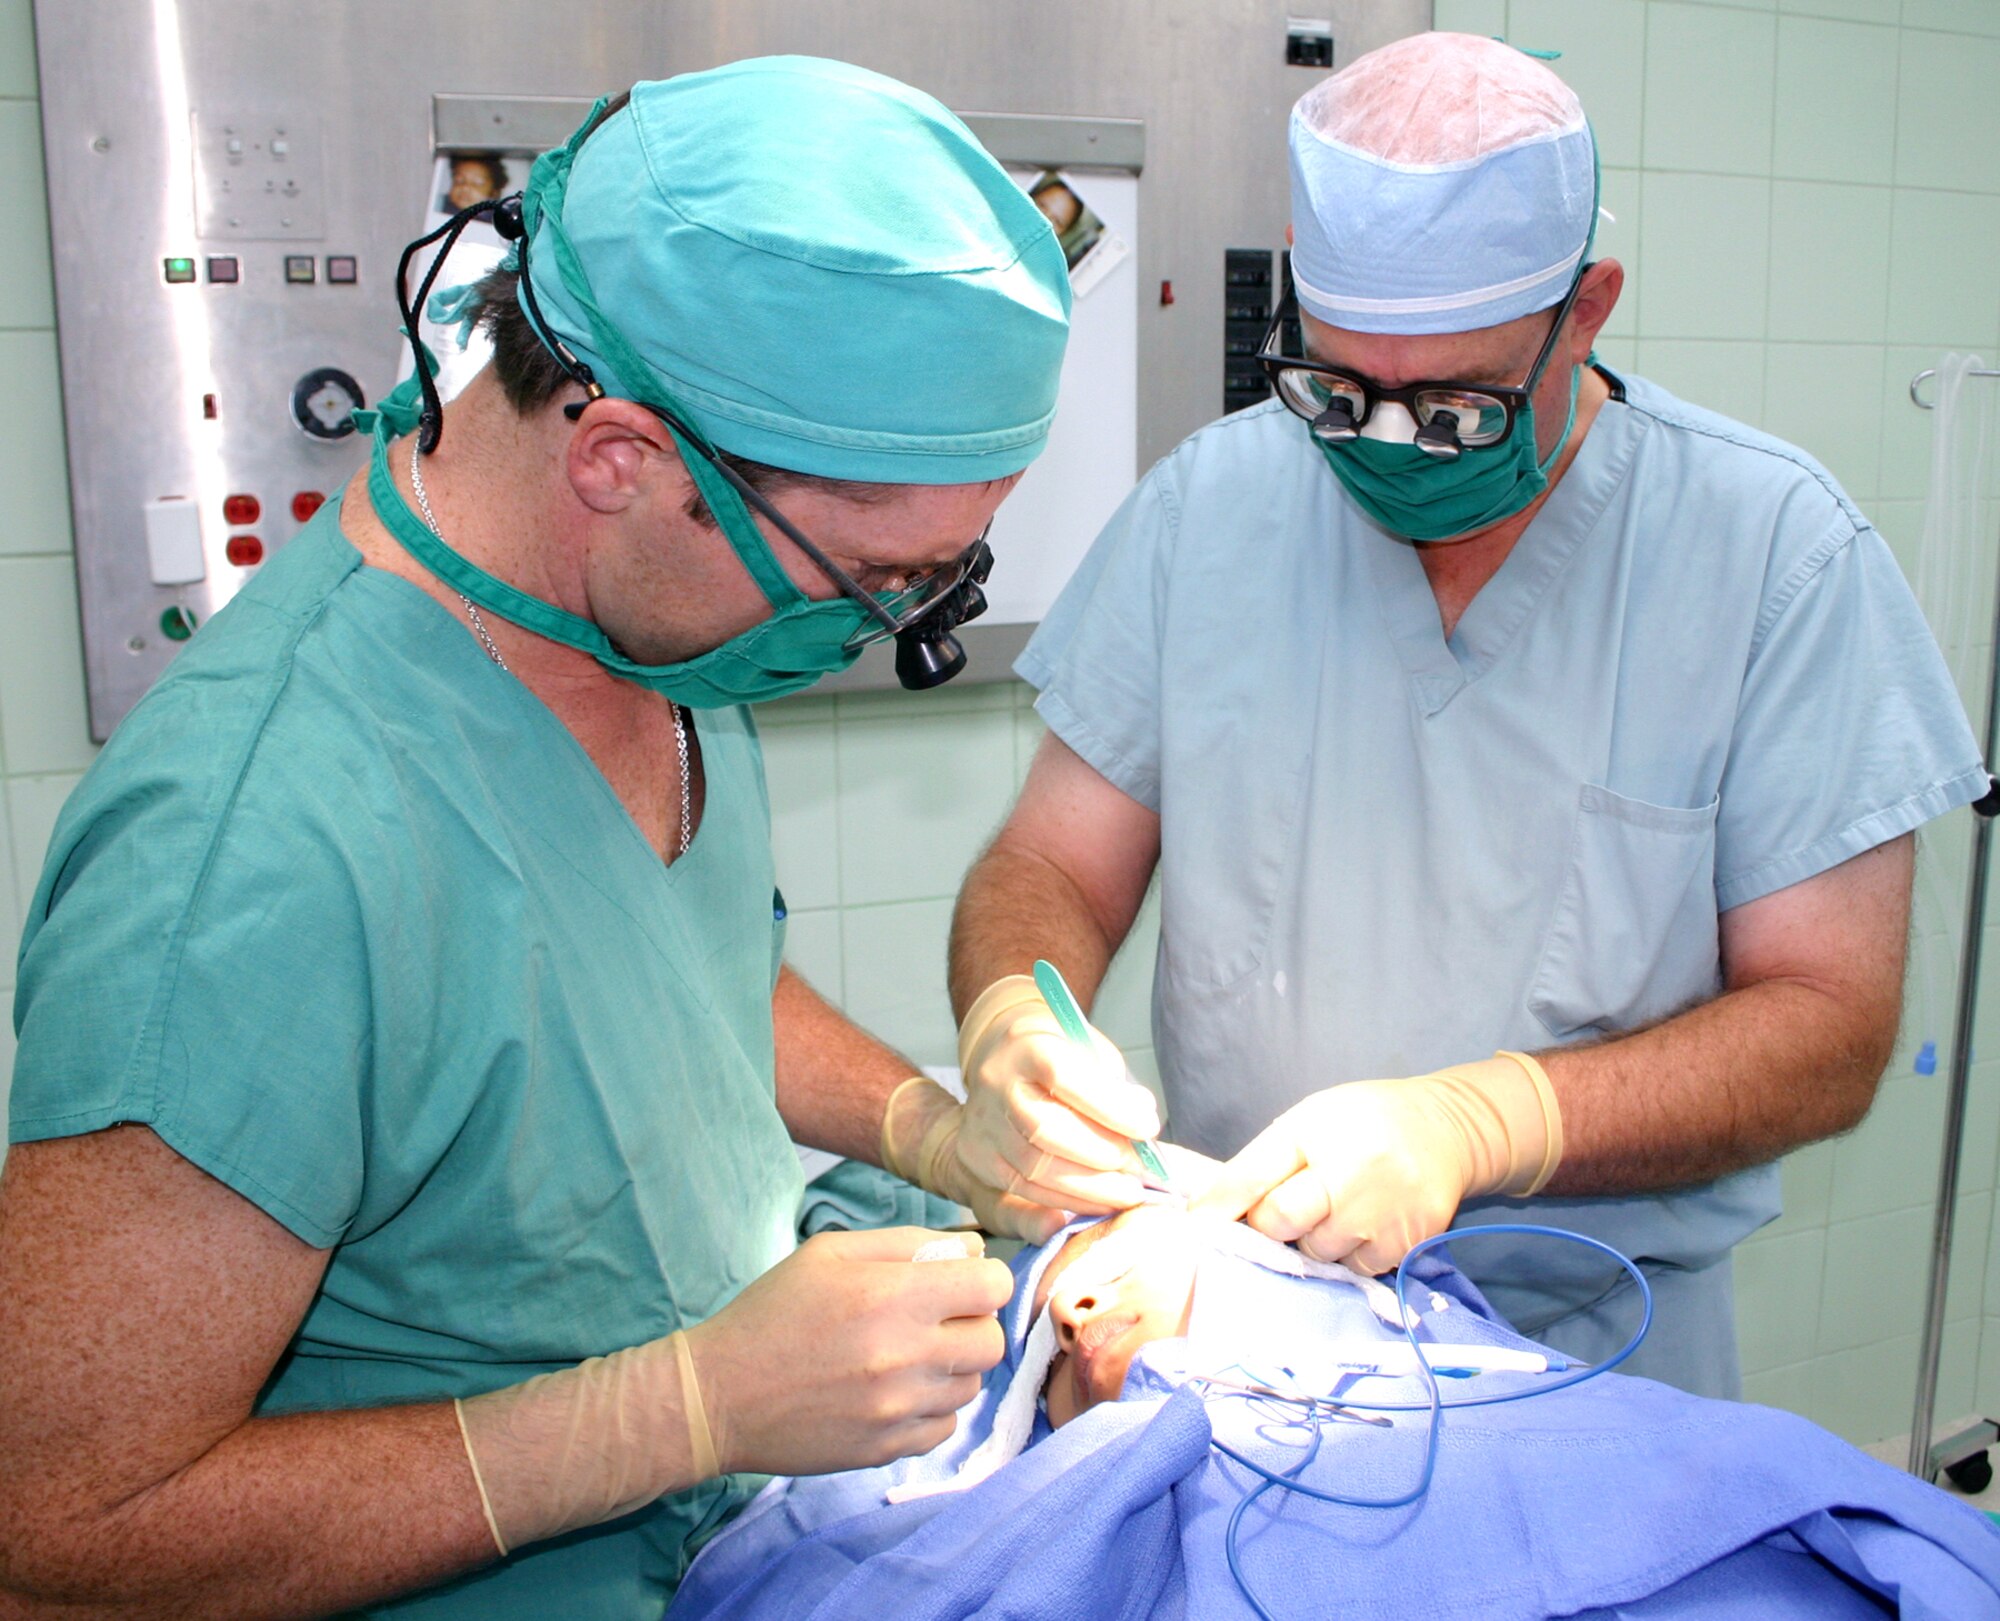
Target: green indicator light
177,624
180,270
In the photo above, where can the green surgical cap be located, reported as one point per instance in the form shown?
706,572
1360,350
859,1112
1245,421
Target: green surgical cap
817,265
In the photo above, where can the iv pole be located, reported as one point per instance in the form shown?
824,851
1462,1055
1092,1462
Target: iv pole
1928,1458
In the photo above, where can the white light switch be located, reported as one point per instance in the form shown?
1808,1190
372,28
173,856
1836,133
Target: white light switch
173,540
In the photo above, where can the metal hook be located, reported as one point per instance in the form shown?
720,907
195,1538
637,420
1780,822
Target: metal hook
1917,382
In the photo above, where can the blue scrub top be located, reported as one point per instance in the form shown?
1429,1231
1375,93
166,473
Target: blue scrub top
1698,678
348,917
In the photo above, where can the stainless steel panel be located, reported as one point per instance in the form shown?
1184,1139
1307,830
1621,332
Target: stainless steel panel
136,95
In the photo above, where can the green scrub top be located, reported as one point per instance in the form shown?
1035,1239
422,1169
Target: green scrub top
351,921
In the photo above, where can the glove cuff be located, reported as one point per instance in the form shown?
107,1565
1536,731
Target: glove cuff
1508,1110
919,1112
999,1000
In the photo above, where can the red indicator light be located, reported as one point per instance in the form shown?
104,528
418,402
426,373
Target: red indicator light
306,503
244,551
208,407
242,508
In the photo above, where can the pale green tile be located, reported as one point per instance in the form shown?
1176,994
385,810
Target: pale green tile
1959,16
1487,18
1829,262
1777,1298
10,904
17,49
1806,1177
34,482
893,961
1826,398
1858,11
1704,254
812,950
805,826
955,697
919,798
26,298
1724,377
1958,1372
33,803
1618,238
1123,1009
1603,45
1708,89
1889,1162
1865,1395
1029,730
1947,118
42,715
1784,1388
1971,1244
1979,1167
1942,290
1738,5
1836,101
808,709
1875,1279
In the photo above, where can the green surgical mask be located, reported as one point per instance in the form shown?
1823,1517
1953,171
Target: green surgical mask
1412,493
801,642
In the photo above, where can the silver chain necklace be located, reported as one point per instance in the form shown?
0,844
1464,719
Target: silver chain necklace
493,652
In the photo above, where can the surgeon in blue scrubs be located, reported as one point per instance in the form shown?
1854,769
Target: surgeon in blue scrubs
402,1188
1528,760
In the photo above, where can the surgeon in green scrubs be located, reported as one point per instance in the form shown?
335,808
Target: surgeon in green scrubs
400,1211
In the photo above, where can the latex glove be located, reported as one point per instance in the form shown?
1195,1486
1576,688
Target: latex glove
844,1355
1362,1173
1046,1121
920,1135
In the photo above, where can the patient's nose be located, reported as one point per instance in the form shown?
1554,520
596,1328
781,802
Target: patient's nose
1071,1310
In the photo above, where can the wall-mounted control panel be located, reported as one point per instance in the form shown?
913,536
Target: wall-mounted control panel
1255,283
232,182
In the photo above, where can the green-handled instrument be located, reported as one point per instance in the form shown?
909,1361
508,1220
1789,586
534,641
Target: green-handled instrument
1055,992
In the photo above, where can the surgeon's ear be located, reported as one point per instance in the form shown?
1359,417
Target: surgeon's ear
617,451
1596,298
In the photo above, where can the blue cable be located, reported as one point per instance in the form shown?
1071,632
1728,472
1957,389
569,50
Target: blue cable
1435,1406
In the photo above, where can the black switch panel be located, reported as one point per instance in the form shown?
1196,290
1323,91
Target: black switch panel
1247,293
1308,45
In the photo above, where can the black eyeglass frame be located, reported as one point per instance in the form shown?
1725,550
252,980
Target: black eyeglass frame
1511,398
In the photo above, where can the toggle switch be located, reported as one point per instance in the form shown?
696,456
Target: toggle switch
173,541
245,551
241,509
305,504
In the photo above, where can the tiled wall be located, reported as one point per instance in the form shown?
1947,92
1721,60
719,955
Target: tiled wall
44,742
1807,210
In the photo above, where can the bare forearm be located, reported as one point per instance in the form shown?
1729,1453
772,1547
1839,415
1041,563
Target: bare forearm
834,1079
301,1515
1016,906
1732,1083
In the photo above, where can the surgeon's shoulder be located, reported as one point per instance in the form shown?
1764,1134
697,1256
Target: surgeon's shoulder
1734,486
226,711
1238,475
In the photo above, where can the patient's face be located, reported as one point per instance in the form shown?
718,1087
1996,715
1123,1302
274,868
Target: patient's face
1111,1289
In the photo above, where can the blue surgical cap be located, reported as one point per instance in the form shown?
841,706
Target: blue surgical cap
1439,184
819,266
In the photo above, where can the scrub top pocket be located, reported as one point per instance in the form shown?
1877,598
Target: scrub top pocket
1633,936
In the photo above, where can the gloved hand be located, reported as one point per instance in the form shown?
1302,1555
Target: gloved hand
1364,1172
844,1355
1045,1121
